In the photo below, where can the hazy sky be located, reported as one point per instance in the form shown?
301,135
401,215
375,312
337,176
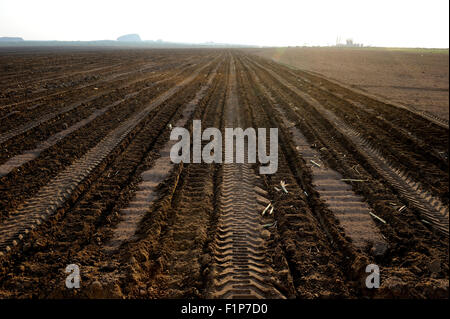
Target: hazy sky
407,23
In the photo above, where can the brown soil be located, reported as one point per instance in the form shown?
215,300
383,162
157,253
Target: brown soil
417,78
101,192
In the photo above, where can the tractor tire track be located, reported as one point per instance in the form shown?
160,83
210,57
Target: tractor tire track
431,208
350,209
22,129
240,266
30,155
403,152
151,178
30,177
52,196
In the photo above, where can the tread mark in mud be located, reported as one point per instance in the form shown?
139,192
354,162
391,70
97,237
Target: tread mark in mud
151,178
240,267
4,137
30,155
52,196
349,208
433,211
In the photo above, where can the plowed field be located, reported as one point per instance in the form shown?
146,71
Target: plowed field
86,178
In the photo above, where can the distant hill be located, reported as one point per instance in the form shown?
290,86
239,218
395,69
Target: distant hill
129,41
10,39
129,38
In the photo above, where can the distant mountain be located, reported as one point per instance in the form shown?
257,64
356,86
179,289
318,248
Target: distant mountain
10,39
130,38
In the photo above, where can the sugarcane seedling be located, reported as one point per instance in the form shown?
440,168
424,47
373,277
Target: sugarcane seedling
401,208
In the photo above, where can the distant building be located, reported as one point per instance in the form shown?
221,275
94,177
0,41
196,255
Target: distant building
348,43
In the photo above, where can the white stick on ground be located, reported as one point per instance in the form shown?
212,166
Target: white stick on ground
380,219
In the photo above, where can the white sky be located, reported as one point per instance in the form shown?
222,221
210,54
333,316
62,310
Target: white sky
401,23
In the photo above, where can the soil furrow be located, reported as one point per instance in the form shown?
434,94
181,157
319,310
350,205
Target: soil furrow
34,122
350,209
404,232
428,168
151,178
116,185
45,203
32,154
87,178
430,207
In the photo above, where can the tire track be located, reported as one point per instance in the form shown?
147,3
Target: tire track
178,229
444,123
317,255
430,157
26,181
68,64
241,270
52,196
151,178
47,76
403,229
350,209
57,77
431,208
86,222
83,86
30,155
409,137
21,129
